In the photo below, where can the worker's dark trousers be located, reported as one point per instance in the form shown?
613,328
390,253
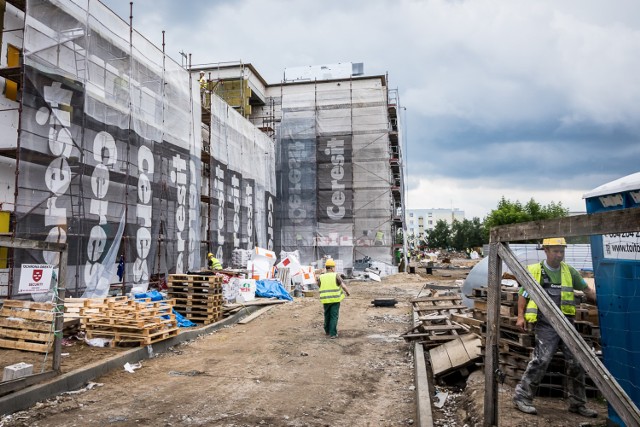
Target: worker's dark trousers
547,342
331,312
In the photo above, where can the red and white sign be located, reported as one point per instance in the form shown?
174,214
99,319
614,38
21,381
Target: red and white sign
35,278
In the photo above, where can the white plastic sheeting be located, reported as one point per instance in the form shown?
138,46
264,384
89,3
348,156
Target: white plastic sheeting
110,149
333,169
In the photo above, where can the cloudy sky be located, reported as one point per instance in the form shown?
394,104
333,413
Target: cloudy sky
511,98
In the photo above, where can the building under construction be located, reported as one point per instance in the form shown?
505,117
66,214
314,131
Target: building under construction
338,157
142,166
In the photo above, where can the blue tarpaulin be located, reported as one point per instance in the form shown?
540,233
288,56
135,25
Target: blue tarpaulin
154,295
271,289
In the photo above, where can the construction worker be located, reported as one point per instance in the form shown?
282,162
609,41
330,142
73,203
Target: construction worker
213,262
332,290
559,280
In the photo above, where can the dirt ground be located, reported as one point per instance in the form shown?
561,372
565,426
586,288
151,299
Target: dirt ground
281,370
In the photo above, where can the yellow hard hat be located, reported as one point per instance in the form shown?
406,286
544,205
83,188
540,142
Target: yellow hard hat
209,255
554,241
330,263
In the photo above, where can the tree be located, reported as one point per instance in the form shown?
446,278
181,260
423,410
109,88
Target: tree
440,236
467,234
509,212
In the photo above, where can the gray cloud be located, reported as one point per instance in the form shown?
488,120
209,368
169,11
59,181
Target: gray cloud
521,95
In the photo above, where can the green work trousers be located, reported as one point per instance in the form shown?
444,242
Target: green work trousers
331,312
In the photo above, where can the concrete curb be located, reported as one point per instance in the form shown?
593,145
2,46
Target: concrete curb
423,394
74,380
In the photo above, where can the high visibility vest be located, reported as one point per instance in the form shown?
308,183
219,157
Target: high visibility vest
214,264
330,291
567,302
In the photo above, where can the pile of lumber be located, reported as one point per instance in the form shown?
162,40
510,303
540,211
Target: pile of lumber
516,346
125,321
197,297
434,312
439,325
27,325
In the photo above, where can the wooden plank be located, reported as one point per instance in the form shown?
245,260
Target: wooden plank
25,335
27,346
255,314
440,327
618,221
473,345
436,299
440,361
440,307
25,325
255,302
44,306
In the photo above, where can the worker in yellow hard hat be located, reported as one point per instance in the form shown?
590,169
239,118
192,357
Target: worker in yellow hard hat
213,262
332,291
558,280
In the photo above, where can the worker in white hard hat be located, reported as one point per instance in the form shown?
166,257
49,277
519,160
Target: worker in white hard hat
213,262
332,291
559,280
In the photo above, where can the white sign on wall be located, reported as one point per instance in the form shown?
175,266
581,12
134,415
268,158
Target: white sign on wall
621,246
35,278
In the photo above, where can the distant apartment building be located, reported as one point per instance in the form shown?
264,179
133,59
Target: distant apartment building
420,221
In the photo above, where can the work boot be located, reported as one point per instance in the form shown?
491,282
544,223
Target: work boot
584,411
524,407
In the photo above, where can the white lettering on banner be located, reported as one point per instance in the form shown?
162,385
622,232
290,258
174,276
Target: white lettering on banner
621,246
249,202
104,153
218,187
335,149
194,204
269,222
235,193
179,177
58,175
297,212
146,168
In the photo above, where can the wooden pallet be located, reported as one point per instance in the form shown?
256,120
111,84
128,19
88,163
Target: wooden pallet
435,326
26,325
194,279
140,321
144,337
204,319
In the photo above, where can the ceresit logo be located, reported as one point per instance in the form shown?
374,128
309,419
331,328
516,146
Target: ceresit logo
335,149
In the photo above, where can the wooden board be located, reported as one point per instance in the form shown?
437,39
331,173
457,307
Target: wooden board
255,314
455,354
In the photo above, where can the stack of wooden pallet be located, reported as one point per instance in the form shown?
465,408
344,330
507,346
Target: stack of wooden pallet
126,321
26,325
80,308
198,297
516,346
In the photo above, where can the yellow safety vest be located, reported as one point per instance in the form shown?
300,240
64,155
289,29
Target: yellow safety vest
567,302
330,291
214,264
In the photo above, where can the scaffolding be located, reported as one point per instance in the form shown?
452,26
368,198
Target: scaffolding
107,153
338,162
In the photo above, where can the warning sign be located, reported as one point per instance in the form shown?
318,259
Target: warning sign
35,278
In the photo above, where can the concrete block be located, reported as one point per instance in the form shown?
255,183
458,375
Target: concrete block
16,371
